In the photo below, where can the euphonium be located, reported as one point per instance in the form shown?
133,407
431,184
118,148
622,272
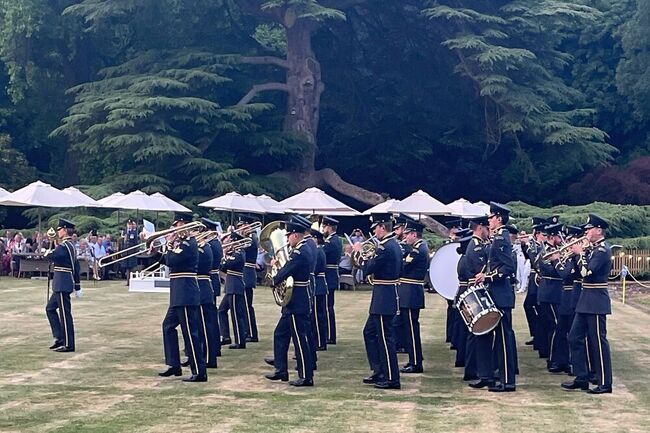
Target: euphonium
275,241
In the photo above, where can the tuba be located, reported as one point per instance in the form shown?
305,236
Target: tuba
274,240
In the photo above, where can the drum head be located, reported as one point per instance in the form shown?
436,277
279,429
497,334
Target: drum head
486,321
442,270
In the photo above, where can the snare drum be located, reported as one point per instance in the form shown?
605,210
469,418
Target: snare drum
478,311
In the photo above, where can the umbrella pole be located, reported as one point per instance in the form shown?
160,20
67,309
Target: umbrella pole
39,219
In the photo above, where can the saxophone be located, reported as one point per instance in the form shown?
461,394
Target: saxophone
275,241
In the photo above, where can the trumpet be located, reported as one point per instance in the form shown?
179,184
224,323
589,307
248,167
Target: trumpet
565,250
153,241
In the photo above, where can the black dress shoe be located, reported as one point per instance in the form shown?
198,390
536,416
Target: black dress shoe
502,388
171,371
372,379
226,341
252,340
387,384
576,384
186,363
56,344
270,361
481,384
530,342
302,382
559,369
412,369
63,349
452,347
278,376
459,364
600,390
211,365
321,349
470,377
237,346
196,378
331,342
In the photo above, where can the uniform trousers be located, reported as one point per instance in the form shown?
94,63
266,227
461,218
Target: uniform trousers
331,317
293,327
62,324
561,348
320,320
505,348
380,347
410,332
548,323
251,321
236,304
209,333
188,317
594,328
531,308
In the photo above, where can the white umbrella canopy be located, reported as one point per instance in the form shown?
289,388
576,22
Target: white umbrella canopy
235,202
381,207
3,192
39,194
268,203
465,208
484,207
315,201
136,200
81,198
167,204
106,201
420,203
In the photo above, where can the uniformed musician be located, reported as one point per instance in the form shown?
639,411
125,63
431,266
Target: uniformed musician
250,275
378,335
182,258
399,323
411,294
320,300
549,296
130,239
465,354
208,310
294,322
217,256
499,267
333,250
593,306
233,301
531,249
66,281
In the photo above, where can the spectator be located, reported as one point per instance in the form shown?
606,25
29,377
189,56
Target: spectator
345,265
97,251
16,246
357,236
3,251
84,251
75,241
108,244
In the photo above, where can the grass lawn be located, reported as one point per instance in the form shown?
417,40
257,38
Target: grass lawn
110,384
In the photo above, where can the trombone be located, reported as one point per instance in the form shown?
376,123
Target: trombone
153,241
244,230
565,249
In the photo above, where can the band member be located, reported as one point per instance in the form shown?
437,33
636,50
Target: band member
294,322
208,311
454,227
130,239
567,270
66,280
215,280
320,302
531,249
399,321
333,250
378,331
549,295
250,275
465,355
593,306
499,267
182,258
411,294
455,323
233,301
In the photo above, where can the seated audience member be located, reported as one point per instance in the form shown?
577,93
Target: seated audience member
345,265
357,236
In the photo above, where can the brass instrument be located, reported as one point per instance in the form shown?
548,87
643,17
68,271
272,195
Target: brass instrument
52,236
565,249
368,251
153,241
245,230
275,241
236,246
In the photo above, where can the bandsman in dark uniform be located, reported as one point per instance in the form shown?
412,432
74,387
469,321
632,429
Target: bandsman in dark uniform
182,258
465,354
531,249
594,304
499,267
320,302
549,295
215,280
399,322
130,239
209,336
411,294
65,281
294,322
333,250
568,271
250,277
455,325
378,336
233,301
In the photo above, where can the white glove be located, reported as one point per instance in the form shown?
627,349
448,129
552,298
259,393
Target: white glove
78,293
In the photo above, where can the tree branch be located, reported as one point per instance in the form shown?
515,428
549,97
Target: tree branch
265,60
262,88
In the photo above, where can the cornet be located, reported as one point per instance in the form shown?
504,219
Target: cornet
565,250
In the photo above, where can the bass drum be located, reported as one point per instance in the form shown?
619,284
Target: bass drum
442,271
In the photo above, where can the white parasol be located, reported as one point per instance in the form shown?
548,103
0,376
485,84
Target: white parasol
315,201
420,203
